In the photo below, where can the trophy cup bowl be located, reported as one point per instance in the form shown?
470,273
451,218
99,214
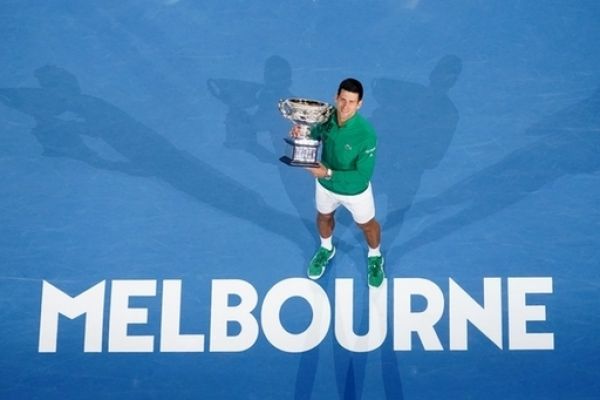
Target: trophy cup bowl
303,151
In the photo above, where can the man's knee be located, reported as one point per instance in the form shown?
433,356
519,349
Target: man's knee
371,224
325,217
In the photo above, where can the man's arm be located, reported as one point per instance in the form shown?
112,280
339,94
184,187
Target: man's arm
363,171
365,164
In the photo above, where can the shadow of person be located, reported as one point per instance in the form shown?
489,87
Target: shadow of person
147,153
252,110
276,86
569,144
351,366
56,129
415,125
309,360
252,106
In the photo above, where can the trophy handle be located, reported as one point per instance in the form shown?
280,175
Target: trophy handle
284,108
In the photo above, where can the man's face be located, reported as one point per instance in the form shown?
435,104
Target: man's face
346,104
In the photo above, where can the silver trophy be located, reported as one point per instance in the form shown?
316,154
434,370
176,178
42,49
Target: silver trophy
303,151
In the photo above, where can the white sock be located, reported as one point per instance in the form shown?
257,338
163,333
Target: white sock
327,242
374,252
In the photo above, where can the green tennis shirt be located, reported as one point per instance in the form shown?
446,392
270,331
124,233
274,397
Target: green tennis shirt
349,151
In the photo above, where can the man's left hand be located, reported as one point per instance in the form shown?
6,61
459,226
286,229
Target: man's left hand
318,172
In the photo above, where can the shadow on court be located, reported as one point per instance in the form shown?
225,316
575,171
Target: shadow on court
568,144
64,115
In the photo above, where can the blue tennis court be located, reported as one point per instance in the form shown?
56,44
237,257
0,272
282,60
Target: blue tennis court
152,246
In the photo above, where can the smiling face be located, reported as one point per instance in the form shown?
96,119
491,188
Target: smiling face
346,104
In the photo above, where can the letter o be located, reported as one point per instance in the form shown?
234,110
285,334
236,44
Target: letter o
318,327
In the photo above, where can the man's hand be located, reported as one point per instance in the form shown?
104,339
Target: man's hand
295,131
318,172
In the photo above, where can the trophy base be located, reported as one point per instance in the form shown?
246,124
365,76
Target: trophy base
294,163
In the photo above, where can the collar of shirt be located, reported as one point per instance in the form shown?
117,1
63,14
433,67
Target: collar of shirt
349,123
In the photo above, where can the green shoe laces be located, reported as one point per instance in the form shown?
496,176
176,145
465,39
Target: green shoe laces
322,256
375,266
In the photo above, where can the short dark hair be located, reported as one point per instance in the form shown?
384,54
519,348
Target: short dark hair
351,85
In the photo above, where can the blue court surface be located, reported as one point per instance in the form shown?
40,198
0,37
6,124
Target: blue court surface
152,246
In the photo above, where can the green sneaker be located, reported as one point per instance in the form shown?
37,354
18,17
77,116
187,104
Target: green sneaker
317,265
376,274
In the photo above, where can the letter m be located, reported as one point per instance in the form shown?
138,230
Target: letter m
55,302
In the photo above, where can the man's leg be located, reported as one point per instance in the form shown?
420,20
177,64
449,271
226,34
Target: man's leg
372,232
325,224
326,206
362,208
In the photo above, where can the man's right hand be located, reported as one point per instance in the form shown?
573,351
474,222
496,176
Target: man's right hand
295,131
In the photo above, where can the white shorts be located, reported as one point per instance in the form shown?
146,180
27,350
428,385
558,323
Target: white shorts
361,206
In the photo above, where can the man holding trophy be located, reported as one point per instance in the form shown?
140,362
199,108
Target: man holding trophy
344,173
